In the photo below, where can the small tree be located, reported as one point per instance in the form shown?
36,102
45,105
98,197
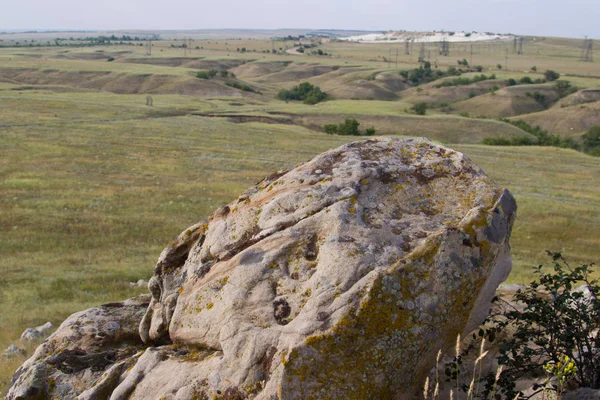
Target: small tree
551,75
370,131
420,108
499,66
349,127
591,141
525,80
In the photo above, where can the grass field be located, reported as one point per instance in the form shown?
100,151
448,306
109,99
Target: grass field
93,184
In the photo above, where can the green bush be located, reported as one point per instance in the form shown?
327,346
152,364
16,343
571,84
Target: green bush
305,92
543,138
564,88
478,68
525,80
202,75
511,82
224,73
110,59
551,320
242,86
460,81
348,128
499,66
551,75
420,108
538,97
591,141
370,131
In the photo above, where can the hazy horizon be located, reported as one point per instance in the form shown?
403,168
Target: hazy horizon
530,17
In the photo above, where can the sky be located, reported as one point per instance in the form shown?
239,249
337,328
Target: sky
569,18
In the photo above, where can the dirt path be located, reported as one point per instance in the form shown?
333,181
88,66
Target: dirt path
294,51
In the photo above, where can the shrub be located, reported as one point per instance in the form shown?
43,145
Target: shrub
305,92
348,128
202,75
110,59
552,321
499,66
534,68
511,82
564,88
331,129
370,131
420,108
538,97
464,81
242,86
551,75
525,80
224,73
478,68
542,136
591,141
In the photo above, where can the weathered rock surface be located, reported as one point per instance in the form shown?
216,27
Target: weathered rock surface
77,354
37,333
341,278
13,351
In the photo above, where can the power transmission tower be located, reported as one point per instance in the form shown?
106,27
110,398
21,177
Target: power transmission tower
506,61
406,47
148,46
515,46
396,58
471,59
520,51
445,48
422,52
185,47
587,54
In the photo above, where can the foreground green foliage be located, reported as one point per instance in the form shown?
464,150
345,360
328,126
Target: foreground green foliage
555,316
549,326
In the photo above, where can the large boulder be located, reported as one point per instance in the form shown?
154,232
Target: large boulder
341,278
